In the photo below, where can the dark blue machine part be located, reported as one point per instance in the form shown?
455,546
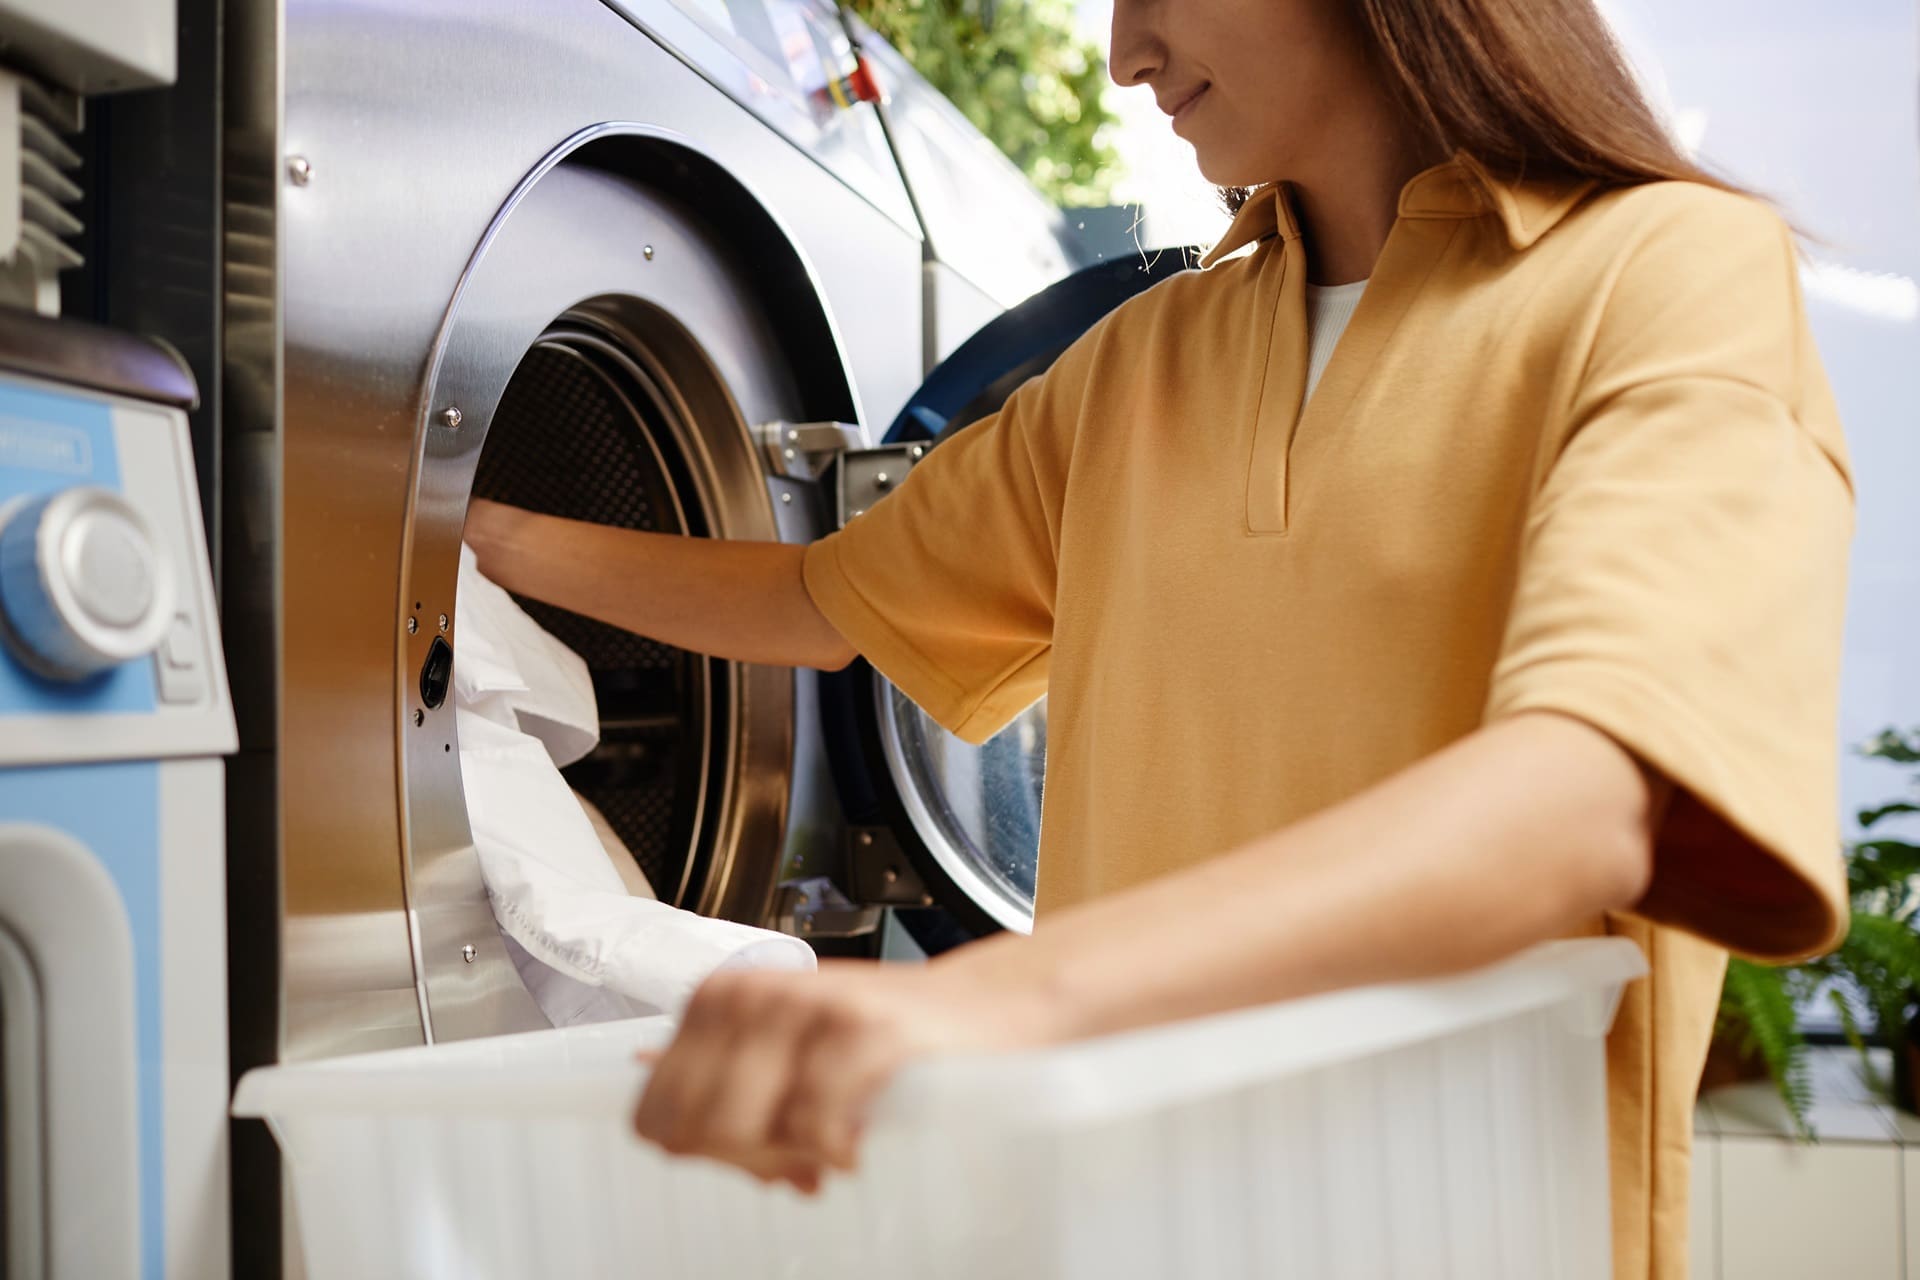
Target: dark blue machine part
981,372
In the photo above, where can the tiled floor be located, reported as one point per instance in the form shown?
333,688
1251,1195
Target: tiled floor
1767,1207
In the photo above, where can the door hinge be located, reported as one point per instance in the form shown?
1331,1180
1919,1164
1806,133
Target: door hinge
879,872
865,476
815,908
804,450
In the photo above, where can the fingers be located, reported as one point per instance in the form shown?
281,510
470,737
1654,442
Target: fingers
716,1090
848,1056
685,1075
773,1072
733,1117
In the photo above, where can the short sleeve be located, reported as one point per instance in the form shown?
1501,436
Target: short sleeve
947,585
1682,581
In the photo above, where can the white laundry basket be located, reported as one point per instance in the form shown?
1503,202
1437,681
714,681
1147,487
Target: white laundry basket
1428,1131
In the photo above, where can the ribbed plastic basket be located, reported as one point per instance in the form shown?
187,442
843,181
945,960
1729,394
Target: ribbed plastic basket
1450,1129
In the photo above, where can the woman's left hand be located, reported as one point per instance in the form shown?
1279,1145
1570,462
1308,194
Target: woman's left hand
773,1072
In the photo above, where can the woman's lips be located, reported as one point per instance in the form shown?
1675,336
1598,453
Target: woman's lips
1186,106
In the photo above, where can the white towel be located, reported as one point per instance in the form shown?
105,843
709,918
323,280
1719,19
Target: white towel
587,948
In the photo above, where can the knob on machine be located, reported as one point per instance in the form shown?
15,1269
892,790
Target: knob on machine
83,585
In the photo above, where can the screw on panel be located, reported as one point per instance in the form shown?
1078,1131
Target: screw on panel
647,251
419,717
786,499
443,622
866,837
300,170
467,953
787,454
881,480
919,451
890,875
413,625
926,899
451,417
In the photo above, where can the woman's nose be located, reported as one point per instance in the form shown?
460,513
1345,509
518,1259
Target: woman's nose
1136,52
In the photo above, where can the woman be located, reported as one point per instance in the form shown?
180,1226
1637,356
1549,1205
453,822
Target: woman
1514,615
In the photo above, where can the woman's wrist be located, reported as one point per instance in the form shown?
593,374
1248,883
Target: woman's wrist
494,531
1021,981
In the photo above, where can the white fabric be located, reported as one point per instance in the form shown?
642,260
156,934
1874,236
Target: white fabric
586,947
512,672
1329,308
625,865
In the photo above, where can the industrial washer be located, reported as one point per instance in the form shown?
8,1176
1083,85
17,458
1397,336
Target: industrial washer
650,265
682,265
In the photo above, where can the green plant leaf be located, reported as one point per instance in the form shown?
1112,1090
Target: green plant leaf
1870,816
1850,1027
1882,960
1893,746
1882,876
1757,1006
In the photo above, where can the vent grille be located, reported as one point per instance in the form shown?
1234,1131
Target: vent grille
38,227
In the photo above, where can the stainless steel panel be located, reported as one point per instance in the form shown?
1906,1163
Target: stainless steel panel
787,91
959,308
405,132
641,273
986,221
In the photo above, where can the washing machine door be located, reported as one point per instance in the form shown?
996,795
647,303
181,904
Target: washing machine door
944,830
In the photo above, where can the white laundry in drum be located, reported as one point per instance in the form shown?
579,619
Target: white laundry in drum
589,945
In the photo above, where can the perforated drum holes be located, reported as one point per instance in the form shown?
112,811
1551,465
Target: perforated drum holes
574,436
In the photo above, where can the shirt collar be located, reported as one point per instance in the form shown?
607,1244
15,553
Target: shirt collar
1460,188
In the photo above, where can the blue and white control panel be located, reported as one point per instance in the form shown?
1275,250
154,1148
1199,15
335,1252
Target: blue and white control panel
114,713
107,616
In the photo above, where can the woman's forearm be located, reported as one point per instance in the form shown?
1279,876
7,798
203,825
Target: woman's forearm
1519,833
739,600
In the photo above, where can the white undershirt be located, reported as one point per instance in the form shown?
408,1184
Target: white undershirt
1329,307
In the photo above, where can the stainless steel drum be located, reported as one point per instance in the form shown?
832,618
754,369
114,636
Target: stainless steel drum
414,229
605,358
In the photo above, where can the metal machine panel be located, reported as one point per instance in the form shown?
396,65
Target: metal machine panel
350,227
628,265
775,57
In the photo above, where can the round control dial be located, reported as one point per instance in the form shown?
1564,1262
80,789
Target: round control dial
84,585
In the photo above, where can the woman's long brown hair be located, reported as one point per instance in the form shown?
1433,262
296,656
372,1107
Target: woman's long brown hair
1534,87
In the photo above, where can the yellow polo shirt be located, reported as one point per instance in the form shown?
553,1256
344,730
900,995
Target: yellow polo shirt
1574,452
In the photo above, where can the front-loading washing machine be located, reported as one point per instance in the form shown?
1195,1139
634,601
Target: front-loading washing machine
624,262
114,714
647,262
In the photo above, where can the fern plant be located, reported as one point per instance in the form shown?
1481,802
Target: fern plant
1872,981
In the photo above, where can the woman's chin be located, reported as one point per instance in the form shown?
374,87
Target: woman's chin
1226,166
1228,175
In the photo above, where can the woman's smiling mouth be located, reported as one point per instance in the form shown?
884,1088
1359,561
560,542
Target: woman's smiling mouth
1184,104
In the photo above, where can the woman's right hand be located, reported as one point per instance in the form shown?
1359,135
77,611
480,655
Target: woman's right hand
730,599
